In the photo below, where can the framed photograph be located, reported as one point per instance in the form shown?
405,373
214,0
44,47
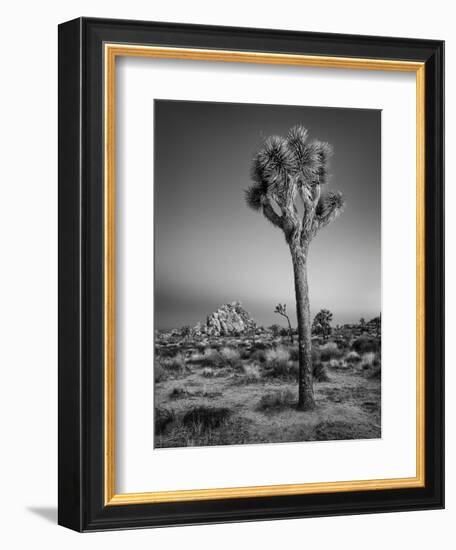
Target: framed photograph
251,314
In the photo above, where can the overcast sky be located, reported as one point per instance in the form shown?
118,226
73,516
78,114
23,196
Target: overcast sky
210,248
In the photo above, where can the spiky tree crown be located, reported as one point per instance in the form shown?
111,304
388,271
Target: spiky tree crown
323,316
285,170
281,309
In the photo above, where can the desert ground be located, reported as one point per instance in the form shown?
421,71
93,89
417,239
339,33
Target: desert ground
231,390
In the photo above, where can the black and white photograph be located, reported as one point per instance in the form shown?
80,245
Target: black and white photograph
223,275
267,274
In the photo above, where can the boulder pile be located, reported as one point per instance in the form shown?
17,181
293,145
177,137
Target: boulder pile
229,320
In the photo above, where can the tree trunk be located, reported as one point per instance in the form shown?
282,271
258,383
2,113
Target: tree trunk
306,399
290,330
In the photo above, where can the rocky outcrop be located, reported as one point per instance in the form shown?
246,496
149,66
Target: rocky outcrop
229,319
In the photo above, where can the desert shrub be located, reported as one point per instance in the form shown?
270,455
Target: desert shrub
258,355
339,429
230,357
352,357
211,358
260,345
208,372
279,365
245,353
168,351
211,394
365,344
276,401
216,345
202,429
375,372
206,417
371,365
278,355
174,364
163,417
196,357
224,357
160,374
319,372
251,373
329,351
342,343
177,392
368,360
246,374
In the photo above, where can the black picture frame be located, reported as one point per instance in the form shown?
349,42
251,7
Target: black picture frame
81,399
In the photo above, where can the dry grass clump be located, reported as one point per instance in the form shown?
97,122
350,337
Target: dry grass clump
163,417
276,401
257,345
280,354
201,430
245,352
211,394
206,417
328,430
160,374
249,373
368,360
352,357
174,364
258,355
168,351
199,426
210,358
319,372
337,364
330,351
208,372
371,365
375,372
213,358
178,392
231,357
279,365
165,367
365,344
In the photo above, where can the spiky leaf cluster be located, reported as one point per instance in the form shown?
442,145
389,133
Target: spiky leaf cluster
254,197
328,208
281,309
281,159
329,202
286,169
273,162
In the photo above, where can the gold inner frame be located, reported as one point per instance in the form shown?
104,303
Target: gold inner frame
111,52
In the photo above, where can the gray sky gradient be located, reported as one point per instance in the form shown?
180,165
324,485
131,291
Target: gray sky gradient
210,248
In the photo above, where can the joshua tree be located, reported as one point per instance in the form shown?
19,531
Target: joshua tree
186,332
285,172
281,309
275,329
377,322
322,323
